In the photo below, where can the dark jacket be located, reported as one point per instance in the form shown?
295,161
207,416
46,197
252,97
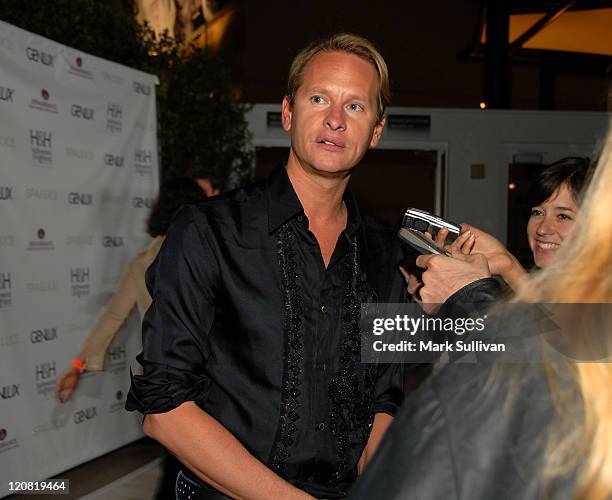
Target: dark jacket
472,431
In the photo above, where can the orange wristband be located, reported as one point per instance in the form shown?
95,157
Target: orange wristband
77,363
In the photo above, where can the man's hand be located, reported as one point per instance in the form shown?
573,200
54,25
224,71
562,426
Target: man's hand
382,421
444,276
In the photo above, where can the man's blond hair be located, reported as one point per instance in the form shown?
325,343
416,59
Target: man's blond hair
351,44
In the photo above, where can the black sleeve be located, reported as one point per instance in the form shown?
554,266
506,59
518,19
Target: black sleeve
389,386
475,298
388,389
175,328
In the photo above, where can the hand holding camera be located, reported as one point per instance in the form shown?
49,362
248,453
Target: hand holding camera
442,276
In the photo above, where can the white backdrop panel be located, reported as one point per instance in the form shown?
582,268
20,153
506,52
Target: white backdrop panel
77,145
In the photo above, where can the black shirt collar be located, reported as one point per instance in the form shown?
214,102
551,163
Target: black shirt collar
284,204
354,215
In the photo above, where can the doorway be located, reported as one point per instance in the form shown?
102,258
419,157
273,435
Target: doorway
520,179
386,182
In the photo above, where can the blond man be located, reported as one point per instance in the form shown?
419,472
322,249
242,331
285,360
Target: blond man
252,370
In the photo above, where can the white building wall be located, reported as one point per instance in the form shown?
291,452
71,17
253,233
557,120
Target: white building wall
467,137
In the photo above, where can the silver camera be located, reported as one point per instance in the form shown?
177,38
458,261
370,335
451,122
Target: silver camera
423,221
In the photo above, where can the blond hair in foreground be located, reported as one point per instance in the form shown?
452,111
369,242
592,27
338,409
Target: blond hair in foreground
582,437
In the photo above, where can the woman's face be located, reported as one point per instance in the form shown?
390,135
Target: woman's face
550,225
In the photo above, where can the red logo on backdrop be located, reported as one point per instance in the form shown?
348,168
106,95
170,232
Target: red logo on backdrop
45,94
2,434
79,62
41,234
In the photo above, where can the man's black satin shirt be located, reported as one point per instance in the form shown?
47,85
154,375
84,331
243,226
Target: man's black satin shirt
247,322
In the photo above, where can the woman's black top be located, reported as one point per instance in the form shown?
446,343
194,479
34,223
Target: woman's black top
478,428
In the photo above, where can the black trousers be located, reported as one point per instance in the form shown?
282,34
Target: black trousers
166,485
189,487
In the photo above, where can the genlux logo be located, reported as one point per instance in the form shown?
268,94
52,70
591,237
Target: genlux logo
114,160
6,94
84,112
141,88
43,335
6,192
9,391
85,415
112,241
140,202
80,198
40,56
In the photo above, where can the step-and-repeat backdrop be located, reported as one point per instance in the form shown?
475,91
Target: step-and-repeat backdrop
78,173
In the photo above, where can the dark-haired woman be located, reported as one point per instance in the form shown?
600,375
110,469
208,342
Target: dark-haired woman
557,199
132,290
555,196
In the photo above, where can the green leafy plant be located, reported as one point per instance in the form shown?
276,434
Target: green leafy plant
205,129
202,130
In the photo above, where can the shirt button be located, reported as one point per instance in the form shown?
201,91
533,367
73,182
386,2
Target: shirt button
324,309
320,426
300,218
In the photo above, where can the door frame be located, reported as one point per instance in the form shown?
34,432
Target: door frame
440,172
